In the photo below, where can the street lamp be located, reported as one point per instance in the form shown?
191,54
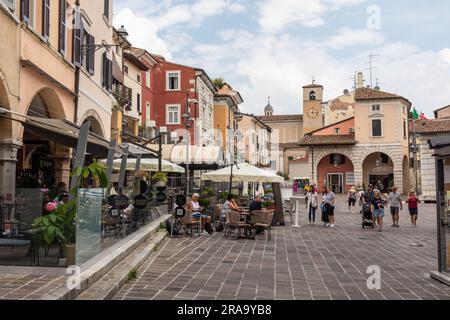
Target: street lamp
187,124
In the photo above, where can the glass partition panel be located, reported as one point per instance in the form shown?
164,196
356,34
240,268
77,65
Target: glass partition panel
90,204
16,231
446,215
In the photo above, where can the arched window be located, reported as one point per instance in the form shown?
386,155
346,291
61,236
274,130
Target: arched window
312,95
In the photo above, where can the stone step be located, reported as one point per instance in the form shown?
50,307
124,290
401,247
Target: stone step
96,268
113,281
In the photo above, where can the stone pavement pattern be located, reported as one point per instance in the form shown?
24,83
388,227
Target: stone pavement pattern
310,262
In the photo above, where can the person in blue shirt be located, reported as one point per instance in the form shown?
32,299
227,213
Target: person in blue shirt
378,205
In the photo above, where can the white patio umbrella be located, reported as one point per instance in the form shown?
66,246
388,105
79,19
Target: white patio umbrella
243,172
148,165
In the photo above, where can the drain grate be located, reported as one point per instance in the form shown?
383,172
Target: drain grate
416,245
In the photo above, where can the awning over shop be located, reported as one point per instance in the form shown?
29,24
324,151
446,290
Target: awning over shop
199,156
65,133
135,149
117,70
441,145
150,165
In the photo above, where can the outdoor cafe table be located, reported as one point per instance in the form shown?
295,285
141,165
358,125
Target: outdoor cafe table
245,213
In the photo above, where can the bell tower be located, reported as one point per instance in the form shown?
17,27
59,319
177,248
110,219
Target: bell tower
312,107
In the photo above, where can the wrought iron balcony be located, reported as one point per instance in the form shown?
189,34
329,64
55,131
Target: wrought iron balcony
123,95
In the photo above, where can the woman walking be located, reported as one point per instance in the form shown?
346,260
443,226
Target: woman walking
378,205
413,207
329,199
312,203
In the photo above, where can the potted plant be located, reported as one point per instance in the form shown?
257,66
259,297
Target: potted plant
160,179
59,226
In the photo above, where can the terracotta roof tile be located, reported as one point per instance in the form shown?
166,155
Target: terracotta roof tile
290,117
337,139
372,94
431,126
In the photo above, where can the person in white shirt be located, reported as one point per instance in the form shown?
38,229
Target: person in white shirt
313,203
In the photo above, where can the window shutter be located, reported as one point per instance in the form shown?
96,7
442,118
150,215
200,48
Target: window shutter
138,102
62,26
91,63
25,10
77,42
110,77
46,18
11,4
104,70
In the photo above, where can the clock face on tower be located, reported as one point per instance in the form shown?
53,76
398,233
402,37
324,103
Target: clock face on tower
312,113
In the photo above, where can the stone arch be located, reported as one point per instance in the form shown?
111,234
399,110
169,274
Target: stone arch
395,153
97,126
45,103
340,172
52,101
5,124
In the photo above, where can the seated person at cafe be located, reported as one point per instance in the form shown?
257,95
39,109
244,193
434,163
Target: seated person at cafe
228,206
194,207
256,205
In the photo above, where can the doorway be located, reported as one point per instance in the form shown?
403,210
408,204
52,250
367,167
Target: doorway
335,181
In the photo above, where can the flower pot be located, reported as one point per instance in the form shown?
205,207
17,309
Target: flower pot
69,254
160,184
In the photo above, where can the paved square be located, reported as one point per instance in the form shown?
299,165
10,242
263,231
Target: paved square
310,262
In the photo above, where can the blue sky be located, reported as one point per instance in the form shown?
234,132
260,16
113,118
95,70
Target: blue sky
274,47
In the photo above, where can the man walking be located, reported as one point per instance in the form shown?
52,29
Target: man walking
395,203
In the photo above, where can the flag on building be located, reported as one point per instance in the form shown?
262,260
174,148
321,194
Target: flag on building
422,116
415,114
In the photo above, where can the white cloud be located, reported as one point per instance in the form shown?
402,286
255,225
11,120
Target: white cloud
193,14
143,32
445,55
263,62
275,15
348,37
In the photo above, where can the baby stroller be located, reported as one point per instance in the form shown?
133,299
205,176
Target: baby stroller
367,220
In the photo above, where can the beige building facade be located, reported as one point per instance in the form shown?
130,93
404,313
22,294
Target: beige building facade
287,130
255,146
371,148
442,113
95,101
226,108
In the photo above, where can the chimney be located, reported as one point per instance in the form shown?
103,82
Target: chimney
360,80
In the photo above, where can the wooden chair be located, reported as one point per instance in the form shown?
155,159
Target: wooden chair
234,222
216,216
263,219
191,225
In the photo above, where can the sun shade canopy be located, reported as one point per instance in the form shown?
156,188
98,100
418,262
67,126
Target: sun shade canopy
65,133
150,165
243,172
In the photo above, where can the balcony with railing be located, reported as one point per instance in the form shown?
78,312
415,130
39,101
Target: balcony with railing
123,95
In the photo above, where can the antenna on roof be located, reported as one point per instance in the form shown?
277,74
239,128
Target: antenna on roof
371,63
313,80
354,79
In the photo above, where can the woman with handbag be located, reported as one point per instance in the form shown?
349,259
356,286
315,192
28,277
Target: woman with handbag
313,204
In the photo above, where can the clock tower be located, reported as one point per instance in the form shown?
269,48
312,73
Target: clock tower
312,107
